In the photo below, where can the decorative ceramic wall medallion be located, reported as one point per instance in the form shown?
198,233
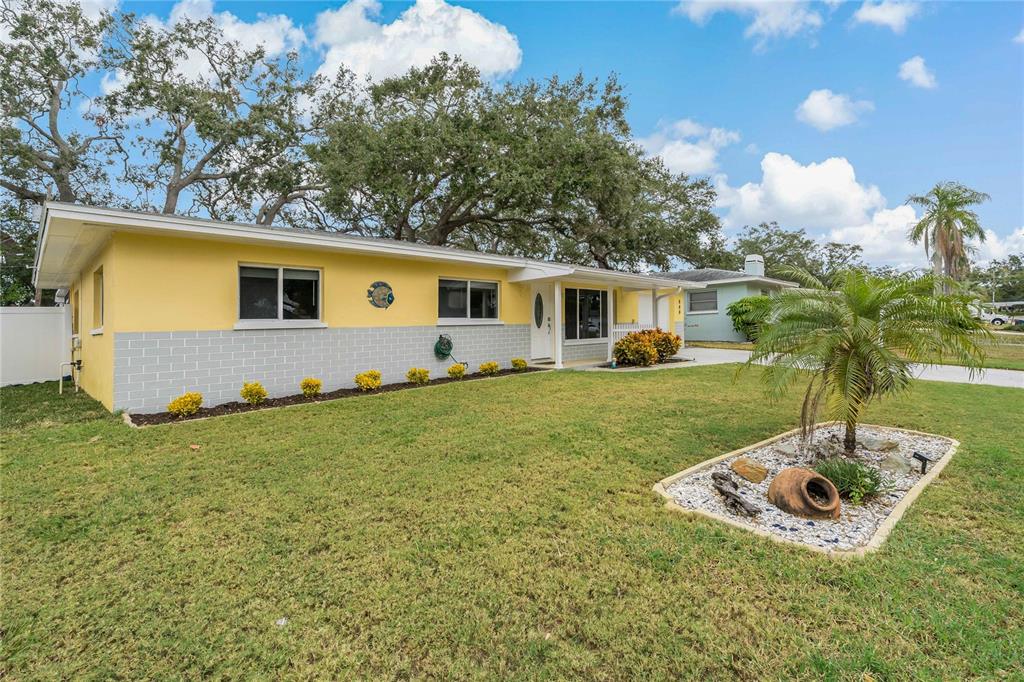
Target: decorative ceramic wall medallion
380,295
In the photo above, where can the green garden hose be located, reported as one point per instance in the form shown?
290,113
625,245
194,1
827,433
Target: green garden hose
443,348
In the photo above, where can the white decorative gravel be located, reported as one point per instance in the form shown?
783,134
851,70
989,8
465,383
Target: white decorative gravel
856,524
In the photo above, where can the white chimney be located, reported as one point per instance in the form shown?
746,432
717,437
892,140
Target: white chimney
753,265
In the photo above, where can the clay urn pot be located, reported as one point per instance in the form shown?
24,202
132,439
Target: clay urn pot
804,493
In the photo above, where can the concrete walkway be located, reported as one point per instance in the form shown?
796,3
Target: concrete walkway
957,375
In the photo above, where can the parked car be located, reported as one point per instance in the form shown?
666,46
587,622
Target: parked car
995,317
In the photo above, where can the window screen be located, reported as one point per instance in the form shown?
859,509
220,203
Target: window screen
257,293
301,293
703,301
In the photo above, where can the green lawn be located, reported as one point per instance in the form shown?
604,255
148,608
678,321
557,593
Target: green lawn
501,528
1006,354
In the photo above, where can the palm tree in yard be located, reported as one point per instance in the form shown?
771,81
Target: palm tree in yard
947,221
857,337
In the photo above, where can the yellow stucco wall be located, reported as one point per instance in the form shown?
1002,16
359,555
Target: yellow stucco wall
181,284
97,349
627,308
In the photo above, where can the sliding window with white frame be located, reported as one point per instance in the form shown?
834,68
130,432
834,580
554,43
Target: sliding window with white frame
278,294
463,301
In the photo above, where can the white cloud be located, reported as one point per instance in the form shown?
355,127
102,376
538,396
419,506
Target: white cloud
352,37
917,73
884,238
828,201
823,195
276,34
687,146
768,19
1019,38
889,13
826,110
997,248
91,9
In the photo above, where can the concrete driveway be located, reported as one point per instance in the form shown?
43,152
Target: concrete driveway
958,375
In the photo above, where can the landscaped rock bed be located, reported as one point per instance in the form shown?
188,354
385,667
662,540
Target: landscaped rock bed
888,449
300,399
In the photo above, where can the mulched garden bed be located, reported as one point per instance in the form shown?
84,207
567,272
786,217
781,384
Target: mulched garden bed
299,399
670,361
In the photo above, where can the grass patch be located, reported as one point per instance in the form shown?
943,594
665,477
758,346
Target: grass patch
488,529
1003,354
727,345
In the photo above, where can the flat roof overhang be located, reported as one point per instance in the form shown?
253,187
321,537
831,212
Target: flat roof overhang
71,235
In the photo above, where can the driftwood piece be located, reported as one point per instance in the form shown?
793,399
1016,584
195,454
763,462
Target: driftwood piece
728,489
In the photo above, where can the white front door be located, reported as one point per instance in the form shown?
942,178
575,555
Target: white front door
541,320
645,315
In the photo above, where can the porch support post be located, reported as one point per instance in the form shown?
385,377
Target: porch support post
611,321
654,307
558,324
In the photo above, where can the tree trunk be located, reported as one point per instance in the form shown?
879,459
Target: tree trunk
850,437
171,199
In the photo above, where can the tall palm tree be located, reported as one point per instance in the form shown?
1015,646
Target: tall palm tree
947,221
858,339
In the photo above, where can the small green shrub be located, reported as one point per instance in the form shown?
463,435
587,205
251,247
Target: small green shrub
186,404
368,381
854,480
749,314
457,371
635,349
418,375
489,368
253,392
519,364
311,387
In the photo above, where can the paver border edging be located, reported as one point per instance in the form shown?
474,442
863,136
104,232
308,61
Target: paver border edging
880,534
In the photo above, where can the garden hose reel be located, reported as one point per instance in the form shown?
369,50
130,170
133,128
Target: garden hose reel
443,348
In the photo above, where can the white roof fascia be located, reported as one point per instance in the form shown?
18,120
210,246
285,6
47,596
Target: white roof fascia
115,218
521,269
761,280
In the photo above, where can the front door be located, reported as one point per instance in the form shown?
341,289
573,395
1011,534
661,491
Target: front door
541,340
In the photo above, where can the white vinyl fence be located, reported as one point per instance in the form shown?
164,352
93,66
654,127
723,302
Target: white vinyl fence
620,330
33,343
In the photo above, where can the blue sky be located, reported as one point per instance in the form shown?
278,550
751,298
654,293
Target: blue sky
798,111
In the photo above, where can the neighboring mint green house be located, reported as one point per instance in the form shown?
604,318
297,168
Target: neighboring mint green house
706,316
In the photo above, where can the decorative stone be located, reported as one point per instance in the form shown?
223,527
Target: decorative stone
749,469
896,463
877,444
806,493
857,523
788,448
